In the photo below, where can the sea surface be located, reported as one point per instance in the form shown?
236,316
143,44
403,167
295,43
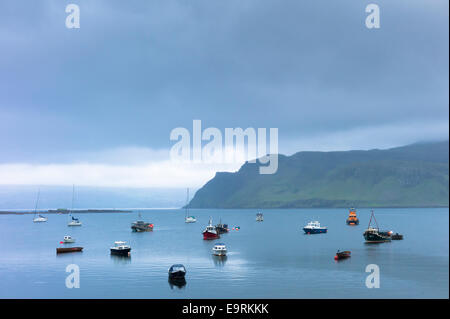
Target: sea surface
269,259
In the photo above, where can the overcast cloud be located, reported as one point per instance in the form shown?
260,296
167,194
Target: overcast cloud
108,94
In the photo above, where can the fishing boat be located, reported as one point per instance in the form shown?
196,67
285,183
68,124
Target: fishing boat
141,226
373,234
188,219
120,248
39,218
221,228
259,217
68,239
352,218
219,249
210,231
68,250
342,254
396,236
73,221
314,228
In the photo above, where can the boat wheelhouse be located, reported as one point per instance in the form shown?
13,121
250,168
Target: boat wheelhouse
219,249
314,228
120,248
68,239
373,234
352,218
210,232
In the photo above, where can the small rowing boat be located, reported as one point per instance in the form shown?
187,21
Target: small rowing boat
68,250
342,254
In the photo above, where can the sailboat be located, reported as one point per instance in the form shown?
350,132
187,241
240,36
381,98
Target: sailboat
73,221
39,218
188,219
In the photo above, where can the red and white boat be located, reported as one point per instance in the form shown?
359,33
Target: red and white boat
210,232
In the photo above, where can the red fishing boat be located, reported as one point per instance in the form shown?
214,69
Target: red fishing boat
210,232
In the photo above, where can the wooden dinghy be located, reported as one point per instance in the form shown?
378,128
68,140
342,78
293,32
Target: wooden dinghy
68,250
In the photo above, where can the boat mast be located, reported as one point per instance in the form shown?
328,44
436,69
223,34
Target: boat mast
73,195
37,200
187,204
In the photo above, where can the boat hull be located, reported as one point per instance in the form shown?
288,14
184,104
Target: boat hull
120,252
68,250
74,224
309,231
352,222
142,228
209,236
372,237
343,255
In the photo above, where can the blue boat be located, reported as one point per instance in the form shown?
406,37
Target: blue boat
314,228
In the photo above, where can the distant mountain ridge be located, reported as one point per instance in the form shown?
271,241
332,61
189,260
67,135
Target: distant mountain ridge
415,175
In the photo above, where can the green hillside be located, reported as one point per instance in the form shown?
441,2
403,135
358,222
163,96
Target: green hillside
410,176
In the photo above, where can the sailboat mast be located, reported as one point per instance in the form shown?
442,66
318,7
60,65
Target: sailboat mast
37,200
187,203
73,195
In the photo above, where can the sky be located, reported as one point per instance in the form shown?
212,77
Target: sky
95,106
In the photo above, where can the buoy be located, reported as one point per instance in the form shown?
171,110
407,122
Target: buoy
335,257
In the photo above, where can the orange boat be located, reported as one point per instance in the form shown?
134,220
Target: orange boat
352,219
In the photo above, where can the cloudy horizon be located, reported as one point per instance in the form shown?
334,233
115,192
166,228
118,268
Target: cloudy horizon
95,106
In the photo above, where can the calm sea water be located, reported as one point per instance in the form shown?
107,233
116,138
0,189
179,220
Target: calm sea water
270,259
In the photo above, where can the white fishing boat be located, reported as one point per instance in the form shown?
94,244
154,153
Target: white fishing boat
187,218
39,218
120,248
68,239
219,249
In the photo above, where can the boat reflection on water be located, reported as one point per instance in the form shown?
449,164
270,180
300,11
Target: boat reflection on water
219,261
180,283
121,259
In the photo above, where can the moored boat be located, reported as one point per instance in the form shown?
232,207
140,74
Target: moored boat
120,248
73,221
352,218
39,218
259,217
188,219
141,226
177,272
374,235
219,249
221,228
210,232
68,239
314,228
68,250
396,236
342,254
